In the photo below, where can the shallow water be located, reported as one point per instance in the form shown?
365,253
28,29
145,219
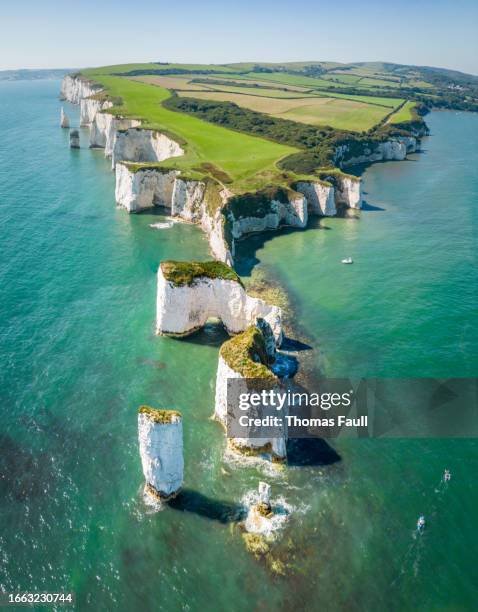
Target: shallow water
79,355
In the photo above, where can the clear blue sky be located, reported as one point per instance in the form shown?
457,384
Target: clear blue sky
50,33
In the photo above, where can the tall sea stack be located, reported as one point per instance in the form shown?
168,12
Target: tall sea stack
64,121
160,434
74,139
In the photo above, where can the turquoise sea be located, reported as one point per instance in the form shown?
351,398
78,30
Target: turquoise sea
78,355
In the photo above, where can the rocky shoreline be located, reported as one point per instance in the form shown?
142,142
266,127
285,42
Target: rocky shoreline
190,293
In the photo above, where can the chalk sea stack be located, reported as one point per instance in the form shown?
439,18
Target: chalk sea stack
74,139
160,434
190,292
244,359
64,121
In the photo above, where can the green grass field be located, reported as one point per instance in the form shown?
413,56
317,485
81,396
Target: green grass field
340,113
405,113
239,155
243,161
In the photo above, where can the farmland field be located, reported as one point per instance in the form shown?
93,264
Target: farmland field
336,112
403,114
237,154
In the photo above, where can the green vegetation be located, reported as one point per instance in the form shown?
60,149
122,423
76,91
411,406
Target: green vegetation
256,544
405,113
252,125
318,145
340,113
246,354
240,156
182,273
159,415
258,203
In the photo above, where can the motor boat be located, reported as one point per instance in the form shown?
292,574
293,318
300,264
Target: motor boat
347,260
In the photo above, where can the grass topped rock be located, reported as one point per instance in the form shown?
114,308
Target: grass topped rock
190,292
245,360
181,273
160,436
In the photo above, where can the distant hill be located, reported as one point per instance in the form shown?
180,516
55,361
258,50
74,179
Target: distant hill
33,75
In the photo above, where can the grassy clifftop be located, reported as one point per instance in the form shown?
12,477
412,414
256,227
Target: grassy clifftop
246,354
185,273
250,125
239,156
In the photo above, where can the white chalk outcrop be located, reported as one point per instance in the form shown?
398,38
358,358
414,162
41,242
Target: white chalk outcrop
89,107
183,309
116,134
160,435
139,190
64,121
348,191
138,145
241,359
320,198
292,213
75,87
394,149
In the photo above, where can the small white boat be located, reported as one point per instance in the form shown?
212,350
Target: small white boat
165,225
347,260
421,523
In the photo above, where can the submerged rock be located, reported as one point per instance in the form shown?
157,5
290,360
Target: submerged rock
264,518
160,434
74,139
64,121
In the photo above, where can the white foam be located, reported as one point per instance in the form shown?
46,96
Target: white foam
162,225
281,511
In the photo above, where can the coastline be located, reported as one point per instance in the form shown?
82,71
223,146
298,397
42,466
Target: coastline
99,312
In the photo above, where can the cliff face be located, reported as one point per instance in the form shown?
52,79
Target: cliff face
89,108
395,149
292,213
139,189
320,198
160,436
183,309
104,130
136,191
76,87
138,145
348,191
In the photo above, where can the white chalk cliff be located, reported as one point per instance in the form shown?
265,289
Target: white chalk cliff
183,309
320,198
89,107
138,189
292,213
160,435
76,87
394,149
